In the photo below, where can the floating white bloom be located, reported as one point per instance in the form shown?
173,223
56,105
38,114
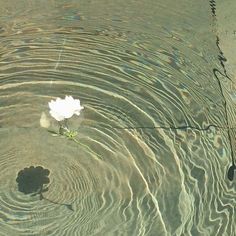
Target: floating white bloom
62,109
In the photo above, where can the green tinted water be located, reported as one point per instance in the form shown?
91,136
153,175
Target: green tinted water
154,147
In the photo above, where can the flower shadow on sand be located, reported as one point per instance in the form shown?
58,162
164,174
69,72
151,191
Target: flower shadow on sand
32,180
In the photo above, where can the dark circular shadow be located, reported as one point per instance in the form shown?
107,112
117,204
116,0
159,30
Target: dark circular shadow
31,180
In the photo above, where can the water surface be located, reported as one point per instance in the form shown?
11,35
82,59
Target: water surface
154,143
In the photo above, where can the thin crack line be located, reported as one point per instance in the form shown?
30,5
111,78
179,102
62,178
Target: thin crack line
168,127
222,59
60,53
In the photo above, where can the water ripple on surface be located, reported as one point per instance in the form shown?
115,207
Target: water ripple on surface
117,180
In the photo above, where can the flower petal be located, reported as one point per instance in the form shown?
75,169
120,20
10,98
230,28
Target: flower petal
61,109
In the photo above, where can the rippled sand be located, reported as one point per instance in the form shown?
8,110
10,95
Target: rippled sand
154,144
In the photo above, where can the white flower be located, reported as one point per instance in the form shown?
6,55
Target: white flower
62,109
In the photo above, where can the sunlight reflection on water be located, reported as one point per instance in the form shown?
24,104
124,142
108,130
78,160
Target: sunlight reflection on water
153,147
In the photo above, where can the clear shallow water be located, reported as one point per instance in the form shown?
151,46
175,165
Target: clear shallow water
138,69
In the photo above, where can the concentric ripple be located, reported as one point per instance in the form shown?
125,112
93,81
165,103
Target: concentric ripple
153,147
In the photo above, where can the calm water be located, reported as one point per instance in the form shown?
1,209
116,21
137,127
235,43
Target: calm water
152,158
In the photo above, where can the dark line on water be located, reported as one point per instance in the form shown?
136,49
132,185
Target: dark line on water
222,60
213,7
171,127
68,206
